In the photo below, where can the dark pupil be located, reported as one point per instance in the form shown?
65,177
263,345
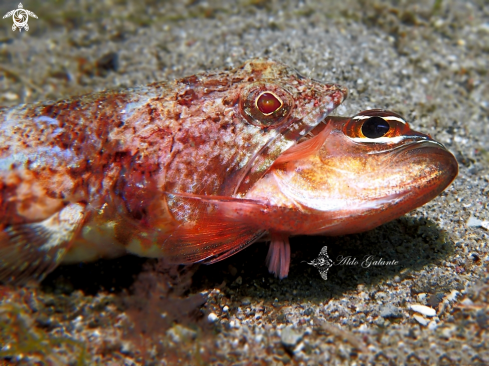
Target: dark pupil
375,127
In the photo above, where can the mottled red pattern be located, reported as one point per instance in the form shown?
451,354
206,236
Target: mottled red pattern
120,153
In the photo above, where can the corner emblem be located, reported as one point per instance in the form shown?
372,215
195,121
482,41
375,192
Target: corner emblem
20,17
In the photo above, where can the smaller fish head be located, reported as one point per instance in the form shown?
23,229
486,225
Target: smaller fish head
358,173
392,165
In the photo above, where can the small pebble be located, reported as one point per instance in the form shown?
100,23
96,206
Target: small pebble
180,333
425,310
390,311
364,328
212,317
447,332
432,325
422,296
380,295
258,338
423,321
473,222
452,295
299,347
10,96
290,337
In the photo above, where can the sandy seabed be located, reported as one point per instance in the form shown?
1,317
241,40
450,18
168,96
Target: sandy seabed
426,60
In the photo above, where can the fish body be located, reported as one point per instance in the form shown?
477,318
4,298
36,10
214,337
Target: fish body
197,169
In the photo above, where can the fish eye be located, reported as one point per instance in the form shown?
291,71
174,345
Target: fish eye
268,103
375,127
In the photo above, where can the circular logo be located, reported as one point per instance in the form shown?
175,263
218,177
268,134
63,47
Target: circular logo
20,18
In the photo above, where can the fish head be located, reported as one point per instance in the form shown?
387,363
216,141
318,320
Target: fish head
278,106
357,173
234,124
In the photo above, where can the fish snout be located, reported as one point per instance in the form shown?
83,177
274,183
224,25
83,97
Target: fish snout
438,166
341,92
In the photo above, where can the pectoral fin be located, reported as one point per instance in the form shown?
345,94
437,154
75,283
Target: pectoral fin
214,238
33,250
208,242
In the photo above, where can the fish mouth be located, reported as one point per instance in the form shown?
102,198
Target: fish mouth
417,141
429,150
431,166
412,174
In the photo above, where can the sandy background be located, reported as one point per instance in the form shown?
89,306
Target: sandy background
426,60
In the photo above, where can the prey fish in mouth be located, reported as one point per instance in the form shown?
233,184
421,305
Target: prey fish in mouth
197,169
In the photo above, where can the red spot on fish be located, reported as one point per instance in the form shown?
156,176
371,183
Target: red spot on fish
187,97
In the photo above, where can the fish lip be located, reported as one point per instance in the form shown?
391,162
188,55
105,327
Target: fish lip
421,142
437,169
416,141
424,143
436,148
435,154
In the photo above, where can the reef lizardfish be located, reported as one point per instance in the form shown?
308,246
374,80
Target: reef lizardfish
197,169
